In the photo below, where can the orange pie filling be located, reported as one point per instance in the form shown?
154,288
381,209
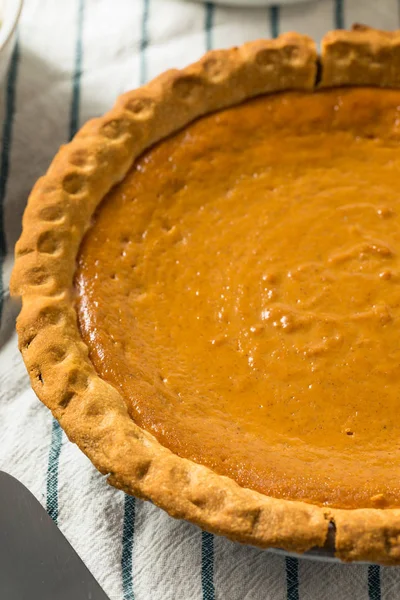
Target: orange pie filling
241,289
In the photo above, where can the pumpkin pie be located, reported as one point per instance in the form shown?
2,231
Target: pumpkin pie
210,277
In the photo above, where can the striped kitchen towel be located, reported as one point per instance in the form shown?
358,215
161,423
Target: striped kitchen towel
72,59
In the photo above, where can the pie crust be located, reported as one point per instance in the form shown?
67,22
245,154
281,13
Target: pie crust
59,212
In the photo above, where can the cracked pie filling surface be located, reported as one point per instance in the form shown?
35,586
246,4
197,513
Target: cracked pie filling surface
241,289
210,284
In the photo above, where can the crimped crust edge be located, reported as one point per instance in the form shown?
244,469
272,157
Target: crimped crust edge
92,413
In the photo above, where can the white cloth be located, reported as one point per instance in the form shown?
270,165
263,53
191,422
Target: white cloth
74,58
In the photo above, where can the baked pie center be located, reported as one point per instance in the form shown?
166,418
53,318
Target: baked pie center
241,289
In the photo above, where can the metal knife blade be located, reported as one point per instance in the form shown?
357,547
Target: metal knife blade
36,561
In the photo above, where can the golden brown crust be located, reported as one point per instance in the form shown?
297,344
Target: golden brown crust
92,412
363,56
369,535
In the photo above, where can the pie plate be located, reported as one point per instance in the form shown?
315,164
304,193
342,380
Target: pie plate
216,401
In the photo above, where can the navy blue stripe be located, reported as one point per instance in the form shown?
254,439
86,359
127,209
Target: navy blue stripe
274,20
374,582
52,471
5,155
208,25
144,42
339,14
76,78
127,547
207,565
292,578
56,435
